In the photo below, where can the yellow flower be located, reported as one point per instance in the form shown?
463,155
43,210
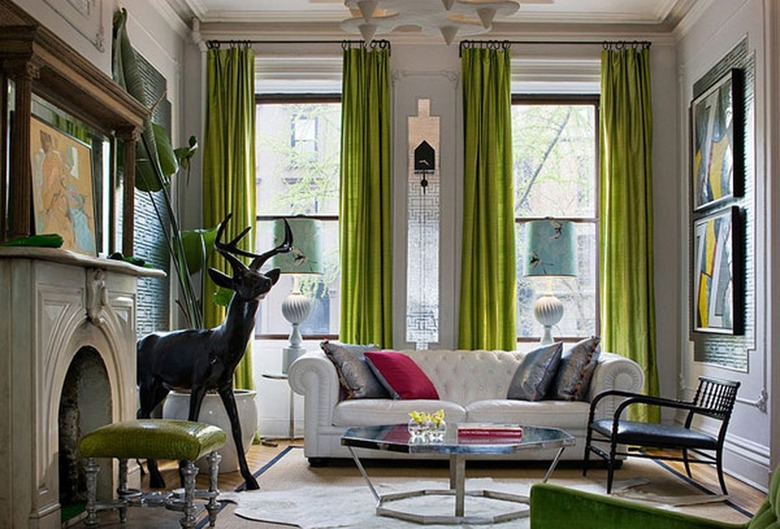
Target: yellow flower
417,416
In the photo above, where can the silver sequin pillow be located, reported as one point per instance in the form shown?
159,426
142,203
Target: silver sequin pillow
535,373
572,381
357,379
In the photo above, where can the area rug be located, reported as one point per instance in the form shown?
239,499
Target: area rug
294,494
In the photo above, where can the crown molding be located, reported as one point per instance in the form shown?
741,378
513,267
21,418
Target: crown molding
691,17
173,12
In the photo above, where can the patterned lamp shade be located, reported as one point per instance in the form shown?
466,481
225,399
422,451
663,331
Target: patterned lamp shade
550,248
306,255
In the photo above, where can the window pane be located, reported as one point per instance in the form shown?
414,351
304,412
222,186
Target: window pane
554,154
323,290
578,294
297,156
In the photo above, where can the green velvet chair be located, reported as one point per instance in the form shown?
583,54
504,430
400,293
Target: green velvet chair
555,507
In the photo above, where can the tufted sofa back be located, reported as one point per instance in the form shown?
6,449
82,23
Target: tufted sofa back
468,376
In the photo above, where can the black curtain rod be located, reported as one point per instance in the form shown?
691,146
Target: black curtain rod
506,44
345,44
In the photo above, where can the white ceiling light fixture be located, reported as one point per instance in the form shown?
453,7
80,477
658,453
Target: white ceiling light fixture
448,18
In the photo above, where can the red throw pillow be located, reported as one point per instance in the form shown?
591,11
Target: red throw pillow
401,376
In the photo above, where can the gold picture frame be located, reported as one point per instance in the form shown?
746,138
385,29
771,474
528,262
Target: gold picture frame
63,201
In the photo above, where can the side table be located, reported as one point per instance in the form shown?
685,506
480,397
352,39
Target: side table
283,376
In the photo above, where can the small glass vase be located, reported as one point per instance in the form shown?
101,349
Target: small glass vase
416,429
437,431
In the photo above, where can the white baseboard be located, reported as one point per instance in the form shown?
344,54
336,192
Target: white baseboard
747,461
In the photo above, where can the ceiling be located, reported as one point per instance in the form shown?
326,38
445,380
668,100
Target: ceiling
322,17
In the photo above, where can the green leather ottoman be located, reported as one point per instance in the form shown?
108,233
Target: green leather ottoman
154,439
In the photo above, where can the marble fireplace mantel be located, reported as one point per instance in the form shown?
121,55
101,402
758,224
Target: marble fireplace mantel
54,304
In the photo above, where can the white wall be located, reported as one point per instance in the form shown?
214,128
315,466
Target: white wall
713,35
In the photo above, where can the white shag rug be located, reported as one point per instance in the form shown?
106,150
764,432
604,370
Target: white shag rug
318,507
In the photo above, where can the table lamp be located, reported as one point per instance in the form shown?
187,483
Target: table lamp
550,252
304,258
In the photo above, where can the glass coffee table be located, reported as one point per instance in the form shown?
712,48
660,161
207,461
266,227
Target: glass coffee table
396,438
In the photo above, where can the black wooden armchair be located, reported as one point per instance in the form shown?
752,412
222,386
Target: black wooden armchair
714,399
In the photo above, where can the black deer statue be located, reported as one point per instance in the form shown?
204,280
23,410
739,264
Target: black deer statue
202,360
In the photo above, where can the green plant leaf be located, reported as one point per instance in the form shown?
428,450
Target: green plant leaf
222,297
198,246
185,154
169,163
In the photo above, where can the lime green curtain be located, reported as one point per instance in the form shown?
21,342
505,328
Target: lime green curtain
626,214
364,208
229,165
488,278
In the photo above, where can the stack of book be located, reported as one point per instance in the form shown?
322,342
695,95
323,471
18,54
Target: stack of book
476,432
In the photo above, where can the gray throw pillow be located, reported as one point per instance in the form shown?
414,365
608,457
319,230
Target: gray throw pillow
356,377
535,373
572,381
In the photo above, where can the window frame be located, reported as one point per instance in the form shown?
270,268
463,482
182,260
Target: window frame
293,98
573,99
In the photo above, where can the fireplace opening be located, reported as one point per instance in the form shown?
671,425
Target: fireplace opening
85,404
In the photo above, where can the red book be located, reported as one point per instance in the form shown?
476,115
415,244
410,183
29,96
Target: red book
506,431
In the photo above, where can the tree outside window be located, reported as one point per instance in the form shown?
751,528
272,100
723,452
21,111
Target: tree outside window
555,146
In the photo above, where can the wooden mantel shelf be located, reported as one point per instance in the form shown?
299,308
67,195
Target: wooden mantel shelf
57,255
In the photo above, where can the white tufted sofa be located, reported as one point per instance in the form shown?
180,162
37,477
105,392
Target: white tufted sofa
472,386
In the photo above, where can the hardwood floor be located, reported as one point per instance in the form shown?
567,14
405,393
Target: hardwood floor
741,494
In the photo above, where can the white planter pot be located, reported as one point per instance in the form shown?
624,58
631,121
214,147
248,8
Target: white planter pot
177,406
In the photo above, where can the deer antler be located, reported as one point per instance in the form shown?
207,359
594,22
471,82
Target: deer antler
284,247
230,250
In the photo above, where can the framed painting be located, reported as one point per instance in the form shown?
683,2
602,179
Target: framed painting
63,200
717,137
718,283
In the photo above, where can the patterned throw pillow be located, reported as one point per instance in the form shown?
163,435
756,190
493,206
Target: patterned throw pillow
572,381
355,376
535,373
402,377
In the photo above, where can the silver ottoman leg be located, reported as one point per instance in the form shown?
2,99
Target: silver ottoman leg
189,472
121,491
92,471
213,506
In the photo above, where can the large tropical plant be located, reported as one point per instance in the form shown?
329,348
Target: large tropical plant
156,163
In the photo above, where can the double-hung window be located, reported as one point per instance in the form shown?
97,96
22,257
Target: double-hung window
297,156
555,151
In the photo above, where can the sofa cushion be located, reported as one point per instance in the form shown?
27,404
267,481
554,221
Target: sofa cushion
535,374
572,380
400,375
355,376
569,416
374,412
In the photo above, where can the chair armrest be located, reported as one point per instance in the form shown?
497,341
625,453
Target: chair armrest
314,376
554,507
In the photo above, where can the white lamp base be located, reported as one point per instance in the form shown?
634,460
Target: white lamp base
296,308
548,311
